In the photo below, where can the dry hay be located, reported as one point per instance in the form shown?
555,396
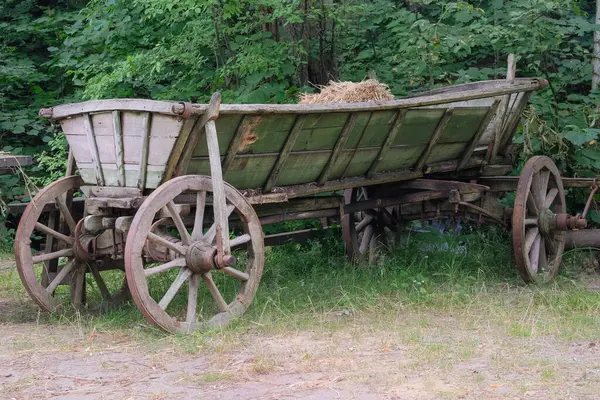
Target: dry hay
349,92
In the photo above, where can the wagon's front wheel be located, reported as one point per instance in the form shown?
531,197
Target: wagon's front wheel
170,257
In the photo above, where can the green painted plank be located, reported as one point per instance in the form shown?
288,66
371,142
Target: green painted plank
359,166
400,157
248,171
317,139
226,126
268,133
463,124
418,127
303,168
446,152
321,132
375,134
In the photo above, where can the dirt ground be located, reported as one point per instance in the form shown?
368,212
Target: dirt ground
414,354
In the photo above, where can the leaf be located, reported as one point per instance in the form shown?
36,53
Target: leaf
581,137
594,216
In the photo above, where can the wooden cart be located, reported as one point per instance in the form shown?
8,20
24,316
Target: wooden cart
176,193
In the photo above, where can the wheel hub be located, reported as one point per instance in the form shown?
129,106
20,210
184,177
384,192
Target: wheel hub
549,222
200,257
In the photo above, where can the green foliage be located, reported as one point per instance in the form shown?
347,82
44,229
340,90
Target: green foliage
269,50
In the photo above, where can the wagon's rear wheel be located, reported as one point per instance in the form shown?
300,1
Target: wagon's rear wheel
45,274
367,233
169,258
540,197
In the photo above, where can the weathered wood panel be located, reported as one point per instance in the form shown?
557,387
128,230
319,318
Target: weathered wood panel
163,134
463,125
446,152
353,164
418,127
375,132
400,157
111,174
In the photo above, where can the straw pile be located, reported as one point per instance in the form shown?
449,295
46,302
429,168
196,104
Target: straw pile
348,92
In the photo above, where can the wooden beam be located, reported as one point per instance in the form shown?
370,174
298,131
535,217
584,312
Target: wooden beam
89,132
219,199
118,140
237,142
308,189
388,142
350,122
143,166
395,201
285,152
437,134
478,134
451,94
8,161
438,184
506,134
187,127
211,113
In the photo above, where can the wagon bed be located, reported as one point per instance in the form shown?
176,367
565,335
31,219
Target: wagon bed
143,143
178,191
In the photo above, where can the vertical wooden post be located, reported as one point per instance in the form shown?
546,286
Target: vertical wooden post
119,154
91,138
503,114
145,148
216,173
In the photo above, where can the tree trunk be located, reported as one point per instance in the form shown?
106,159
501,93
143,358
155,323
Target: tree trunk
596,62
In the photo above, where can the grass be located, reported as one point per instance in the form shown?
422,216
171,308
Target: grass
311,286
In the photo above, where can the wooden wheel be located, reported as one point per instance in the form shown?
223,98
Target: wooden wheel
184,251
540,198
62,262
366,233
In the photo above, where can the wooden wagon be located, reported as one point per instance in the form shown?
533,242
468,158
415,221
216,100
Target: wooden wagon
176,193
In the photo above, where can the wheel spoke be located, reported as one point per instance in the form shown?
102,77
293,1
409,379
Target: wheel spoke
185,236
552,193
372,249
199,219
532,207
531,222
78,288
543,258
366,239
549,243
534,254
242,276
64,210
214,291
211,234
178,262
153,237
60,276
544,180
193,285
530,237
539,187
363,224
184,273
49,231
100,283
52,255
245,238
